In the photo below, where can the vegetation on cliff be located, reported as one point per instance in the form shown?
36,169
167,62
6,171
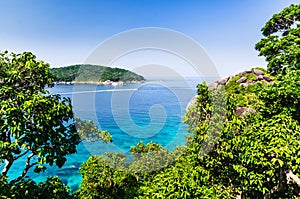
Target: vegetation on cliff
93,73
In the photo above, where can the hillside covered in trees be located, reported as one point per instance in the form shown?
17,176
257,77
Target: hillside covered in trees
93,73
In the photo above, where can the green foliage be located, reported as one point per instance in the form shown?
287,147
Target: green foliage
88,131
202,111
93,73
113,176
267,149
66,74
100,180
37,126
281,45
186,178
142,148
151,158
283,96
52,188
118,74
34,123
254,152
228,155
245,96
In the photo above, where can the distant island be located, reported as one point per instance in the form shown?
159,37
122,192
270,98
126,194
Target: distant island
94,74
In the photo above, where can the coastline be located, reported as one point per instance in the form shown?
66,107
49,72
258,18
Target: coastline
107,82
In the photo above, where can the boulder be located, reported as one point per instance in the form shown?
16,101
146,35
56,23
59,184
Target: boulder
242,80
258,72
260,77
244,110
213,86
244,72
267,78
223,81
245,84
191,103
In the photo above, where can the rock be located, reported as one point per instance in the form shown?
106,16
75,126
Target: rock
268,79
260,77
220,85
191,103
230,78
245,72
258,72
244,84
223,81
242,80
213,86
244,110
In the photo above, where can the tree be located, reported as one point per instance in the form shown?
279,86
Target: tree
104,178
34,123
95,73
255,156
114,176
281,45
28,189
36,127
89,132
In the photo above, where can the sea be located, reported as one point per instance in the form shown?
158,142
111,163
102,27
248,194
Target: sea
148,112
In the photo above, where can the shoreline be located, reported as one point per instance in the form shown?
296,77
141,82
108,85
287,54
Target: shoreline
107,82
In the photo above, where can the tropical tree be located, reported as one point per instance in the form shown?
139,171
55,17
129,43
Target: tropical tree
36,126
34,123
281,42
113,175
28,189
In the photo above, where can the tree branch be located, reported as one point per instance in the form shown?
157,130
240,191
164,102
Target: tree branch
17,157
9,163
28,166
290,175
7,167
280,185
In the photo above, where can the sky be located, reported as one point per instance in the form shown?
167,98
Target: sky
65,32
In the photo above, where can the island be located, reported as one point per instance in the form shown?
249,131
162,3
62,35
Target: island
94,74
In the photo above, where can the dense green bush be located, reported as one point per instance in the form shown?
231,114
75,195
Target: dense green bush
52,188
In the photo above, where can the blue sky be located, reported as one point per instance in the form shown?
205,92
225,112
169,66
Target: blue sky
64,32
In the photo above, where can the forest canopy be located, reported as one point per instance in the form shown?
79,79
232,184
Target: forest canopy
93,73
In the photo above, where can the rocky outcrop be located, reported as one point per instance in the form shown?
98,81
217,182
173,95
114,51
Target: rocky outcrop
245,78
242,80
258,72
191,103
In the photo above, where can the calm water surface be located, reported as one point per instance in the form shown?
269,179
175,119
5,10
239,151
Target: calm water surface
151,111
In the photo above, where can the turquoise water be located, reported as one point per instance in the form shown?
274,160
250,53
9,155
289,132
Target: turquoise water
151,111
